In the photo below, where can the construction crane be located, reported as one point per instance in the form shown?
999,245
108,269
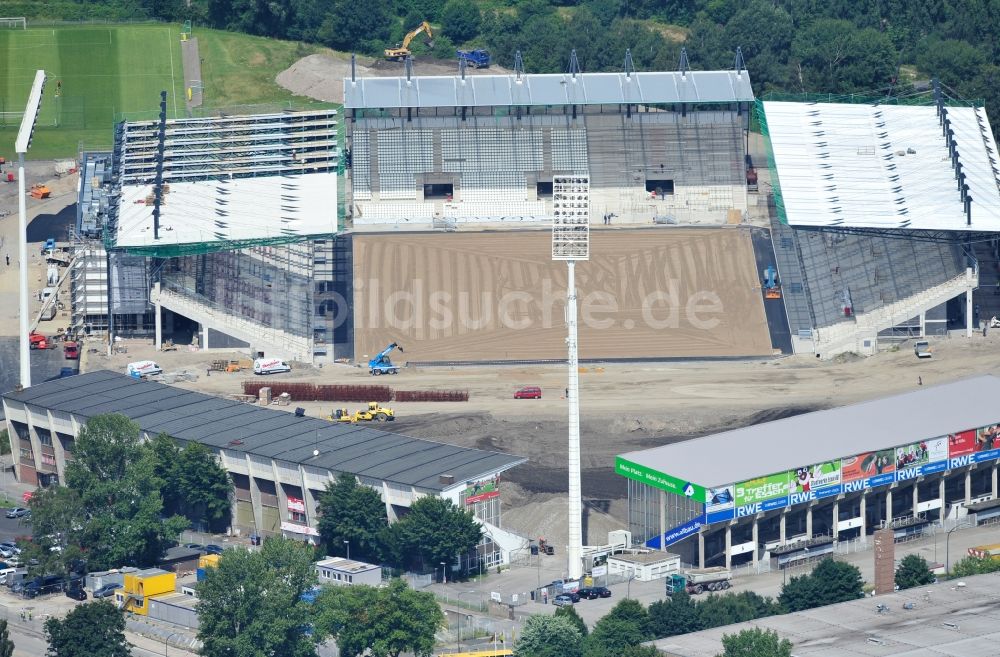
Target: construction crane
402,51
381,363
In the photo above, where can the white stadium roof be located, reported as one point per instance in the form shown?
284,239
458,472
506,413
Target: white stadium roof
885,167
230,210
659,87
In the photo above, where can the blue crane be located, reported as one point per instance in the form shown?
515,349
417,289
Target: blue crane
381,363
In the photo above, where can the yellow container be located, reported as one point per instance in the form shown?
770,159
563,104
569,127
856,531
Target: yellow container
208,561
140,586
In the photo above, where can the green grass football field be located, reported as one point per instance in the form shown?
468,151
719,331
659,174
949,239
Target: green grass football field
94,75
108,71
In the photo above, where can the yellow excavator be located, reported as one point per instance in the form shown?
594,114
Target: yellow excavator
374,413
401,52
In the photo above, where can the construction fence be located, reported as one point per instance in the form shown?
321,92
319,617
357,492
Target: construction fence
353,393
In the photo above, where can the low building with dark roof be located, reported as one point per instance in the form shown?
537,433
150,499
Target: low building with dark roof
279,462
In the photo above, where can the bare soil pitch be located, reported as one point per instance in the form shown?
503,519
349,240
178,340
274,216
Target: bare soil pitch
645,293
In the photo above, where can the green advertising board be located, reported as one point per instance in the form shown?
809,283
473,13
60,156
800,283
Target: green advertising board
660,480
762,488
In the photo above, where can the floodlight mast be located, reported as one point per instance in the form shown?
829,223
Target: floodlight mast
21,145
571,242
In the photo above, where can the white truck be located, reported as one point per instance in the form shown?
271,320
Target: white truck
143,368
270,366
699,580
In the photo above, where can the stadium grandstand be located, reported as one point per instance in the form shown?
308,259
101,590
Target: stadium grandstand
806,486
884,209
483,149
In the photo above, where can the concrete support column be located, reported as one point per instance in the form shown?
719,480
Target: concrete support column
158,310
729,545
835,519
864,516
312,518
994,481
781,527
809,522
663,519
888,507
755,539
701,548
258,508
968,306
204,336
916,498
943,512
923,325
968,486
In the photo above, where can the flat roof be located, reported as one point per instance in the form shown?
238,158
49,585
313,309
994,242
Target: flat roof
218,423
346,565
742,454
882,166
660,87
230,209
957,621
645,557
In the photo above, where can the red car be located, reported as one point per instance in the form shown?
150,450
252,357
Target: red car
528,392
71,351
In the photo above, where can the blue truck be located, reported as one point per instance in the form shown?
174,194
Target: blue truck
475,58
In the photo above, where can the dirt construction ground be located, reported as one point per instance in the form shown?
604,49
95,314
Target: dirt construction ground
499,296
321,76
624,407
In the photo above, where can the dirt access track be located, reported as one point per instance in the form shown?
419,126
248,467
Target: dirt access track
321,76
499,296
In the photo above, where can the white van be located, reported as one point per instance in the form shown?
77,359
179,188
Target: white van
144,368
6,575
270,366
922,349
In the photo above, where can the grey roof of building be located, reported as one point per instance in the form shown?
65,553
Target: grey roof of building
660,87
762,449
215,422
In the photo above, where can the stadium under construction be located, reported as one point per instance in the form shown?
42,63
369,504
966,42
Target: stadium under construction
324,235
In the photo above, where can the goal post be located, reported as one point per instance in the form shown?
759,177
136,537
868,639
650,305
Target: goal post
18,22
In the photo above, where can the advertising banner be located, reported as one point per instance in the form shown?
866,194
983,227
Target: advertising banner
478,491
678,533
813,482
961,443
721,504
868,470
924,457
296,505
659,480
988,443
761,494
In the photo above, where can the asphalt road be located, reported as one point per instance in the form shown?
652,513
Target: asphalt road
45,364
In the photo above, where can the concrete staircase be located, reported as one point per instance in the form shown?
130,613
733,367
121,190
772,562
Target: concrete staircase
272,342
861,335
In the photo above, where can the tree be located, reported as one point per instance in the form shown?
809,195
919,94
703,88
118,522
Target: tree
627,624
433,531
194,484
755,642
362,26
95,629
830,582
549,636
974,566
349,511
569,612
913,571
6,645
678,615
461,20
251,604
729,608
382,622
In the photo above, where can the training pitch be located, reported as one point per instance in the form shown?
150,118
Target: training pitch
95,74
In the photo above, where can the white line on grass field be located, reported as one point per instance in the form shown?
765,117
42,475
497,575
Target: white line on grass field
173,88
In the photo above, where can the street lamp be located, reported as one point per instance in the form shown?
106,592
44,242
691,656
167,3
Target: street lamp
444,576
21,146
628,589
947,546
166,641
348,544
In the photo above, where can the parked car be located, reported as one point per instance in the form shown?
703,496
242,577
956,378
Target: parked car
10,545
213,549
105,591
564,599
194,546
594,592
7,552
528,392
43,586
18,512
76,593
